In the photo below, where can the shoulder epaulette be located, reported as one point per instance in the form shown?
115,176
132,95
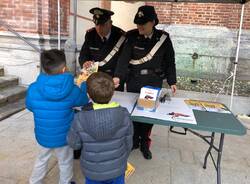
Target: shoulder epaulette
123,32
164,32
91,29
119,30
161,32
132,33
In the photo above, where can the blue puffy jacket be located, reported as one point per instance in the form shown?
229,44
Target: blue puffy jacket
51,99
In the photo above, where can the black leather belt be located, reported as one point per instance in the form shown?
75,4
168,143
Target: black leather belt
146,72
106,71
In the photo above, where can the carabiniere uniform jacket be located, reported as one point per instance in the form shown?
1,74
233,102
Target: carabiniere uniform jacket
95,49
152,72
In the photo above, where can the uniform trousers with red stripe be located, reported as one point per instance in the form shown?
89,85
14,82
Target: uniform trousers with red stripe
135,82
142,132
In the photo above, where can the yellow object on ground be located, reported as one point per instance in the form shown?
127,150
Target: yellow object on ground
130,170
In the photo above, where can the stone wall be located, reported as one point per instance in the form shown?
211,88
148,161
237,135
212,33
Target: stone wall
20,59
215,48
206,54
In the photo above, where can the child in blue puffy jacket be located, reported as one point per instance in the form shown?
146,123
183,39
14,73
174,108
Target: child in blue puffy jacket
52,98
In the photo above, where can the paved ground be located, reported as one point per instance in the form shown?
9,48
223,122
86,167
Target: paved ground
176,159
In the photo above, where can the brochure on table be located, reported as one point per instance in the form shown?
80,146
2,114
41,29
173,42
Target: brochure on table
174,110
207,106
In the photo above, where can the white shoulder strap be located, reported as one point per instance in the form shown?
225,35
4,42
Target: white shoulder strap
113,51
150,55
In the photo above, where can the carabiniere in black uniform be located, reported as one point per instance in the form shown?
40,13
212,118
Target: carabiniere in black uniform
96,49
152,72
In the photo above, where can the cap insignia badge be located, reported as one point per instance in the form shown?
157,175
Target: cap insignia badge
140,14
98,12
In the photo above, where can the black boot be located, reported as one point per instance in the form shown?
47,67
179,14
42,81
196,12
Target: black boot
136,136
135,146
77,154
146,152
135,143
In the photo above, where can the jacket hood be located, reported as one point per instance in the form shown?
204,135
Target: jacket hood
55,87
104,122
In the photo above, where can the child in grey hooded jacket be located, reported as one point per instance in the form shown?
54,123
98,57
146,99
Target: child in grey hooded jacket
104,133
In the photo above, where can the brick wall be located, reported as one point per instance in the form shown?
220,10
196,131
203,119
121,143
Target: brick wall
211,14
34,16
41,16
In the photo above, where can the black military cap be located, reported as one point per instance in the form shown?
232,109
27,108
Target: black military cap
100,16
145,14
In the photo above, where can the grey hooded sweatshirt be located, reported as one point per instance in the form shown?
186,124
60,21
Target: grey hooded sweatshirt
105,137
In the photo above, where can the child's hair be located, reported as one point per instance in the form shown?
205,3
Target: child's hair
100,87
53,61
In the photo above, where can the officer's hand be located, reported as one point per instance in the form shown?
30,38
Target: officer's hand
173,89
116,81
87,64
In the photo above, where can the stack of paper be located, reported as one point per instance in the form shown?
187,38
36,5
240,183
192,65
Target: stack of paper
175,110
148,98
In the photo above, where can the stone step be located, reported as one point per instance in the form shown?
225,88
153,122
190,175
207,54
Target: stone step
8,81
11,109
11,94
1,71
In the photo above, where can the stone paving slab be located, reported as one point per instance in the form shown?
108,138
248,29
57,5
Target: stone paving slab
176,159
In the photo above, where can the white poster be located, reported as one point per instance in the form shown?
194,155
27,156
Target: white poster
174,110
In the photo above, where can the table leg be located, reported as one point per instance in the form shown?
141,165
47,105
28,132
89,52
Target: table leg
209,150
210,140
219,158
